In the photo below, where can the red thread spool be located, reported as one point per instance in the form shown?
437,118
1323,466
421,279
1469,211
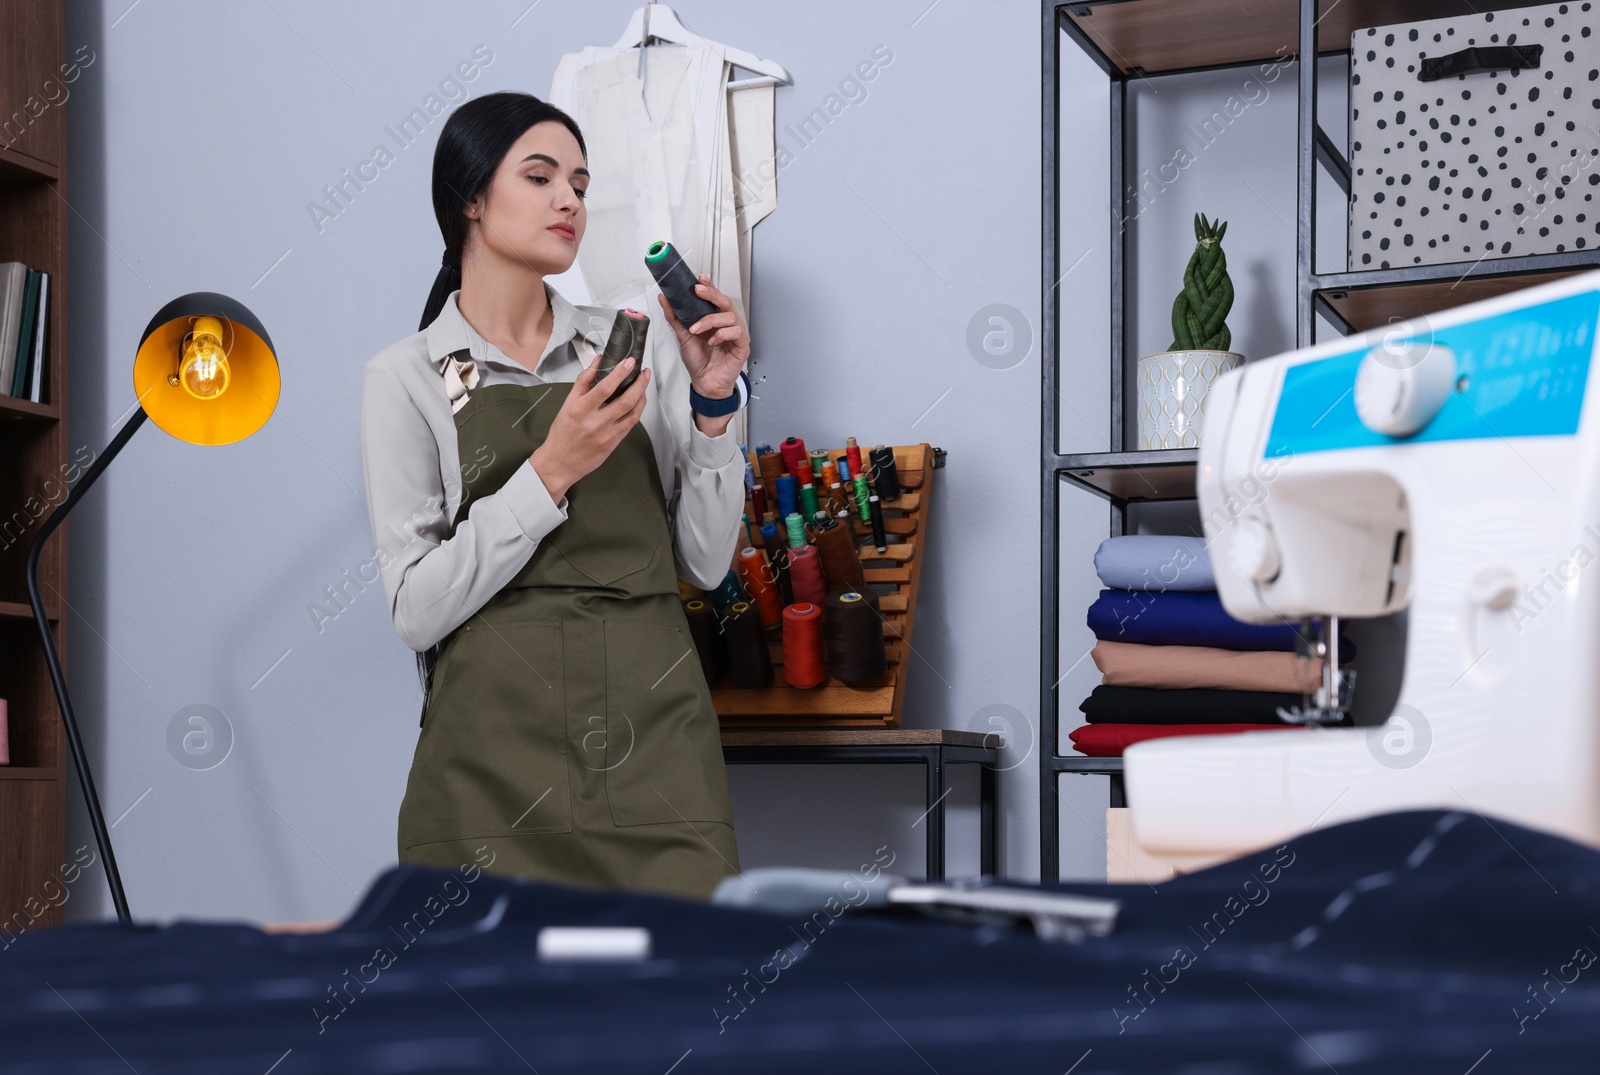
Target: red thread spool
806,575
762,584
795,458
852,455
758,501
802,646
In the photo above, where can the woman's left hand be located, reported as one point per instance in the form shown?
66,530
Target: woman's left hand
714,349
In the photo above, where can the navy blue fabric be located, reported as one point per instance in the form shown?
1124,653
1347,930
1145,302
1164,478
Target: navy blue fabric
1416,942
1174,618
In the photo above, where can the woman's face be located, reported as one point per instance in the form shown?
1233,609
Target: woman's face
532,212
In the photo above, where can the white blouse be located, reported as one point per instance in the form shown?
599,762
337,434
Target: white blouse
436,581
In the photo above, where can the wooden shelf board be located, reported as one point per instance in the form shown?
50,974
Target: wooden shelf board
1156,36
16,168
29,772
18,610
1130,476
1371,307
11,407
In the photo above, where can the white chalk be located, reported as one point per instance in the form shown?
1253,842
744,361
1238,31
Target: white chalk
593,942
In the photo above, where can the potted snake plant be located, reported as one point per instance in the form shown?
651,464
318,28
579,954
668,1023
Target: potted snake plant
1173,383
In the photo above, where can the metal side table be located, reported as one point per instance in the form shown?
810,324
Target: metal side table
931,747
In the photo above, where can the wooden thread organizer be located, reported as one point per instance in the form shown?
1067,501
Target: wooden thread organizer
892,575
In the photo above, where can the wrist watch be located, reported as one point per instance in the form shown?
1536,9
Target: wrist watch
716,408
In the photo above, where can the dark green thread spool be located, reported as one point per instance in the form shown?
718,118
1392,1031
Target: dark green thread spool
627,338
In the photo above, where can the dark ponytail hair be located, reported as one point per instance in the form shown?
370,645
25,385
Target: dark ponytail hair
473,142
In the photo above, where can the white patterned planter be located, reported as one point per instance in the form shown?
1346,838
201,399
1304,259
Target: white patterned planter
1172,395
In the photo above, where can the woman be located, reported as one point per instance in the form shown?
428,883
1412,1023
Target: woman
530,535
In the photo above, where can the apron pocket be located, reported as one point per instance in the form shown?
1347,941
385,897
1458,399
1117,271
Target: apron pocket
663,743
492,757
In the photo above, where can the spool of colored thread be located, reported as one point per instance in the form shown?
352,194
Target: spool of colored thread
770,464
853,638
808,500
797,530
853,454
709,642
830,473
844,470
835,502
788,494
794,456
758,501
749,657
803,656
885,479
880,540
762,585
818,456
727,593
862,493
841,566
778,557
805,572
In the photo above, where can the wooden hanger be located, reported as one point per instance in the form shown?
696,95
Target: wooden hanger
658,22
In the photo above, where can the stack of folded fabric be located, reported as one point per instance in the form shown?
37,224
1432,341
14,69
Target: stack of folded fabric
1172,661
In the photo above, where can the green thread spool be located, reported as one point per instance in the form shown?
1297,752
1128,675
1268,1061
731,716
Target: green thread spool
818,457
808,500
797,530
862,493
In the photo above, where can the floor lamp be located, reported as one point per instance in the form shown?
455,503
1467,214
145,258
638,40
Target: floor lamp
205,372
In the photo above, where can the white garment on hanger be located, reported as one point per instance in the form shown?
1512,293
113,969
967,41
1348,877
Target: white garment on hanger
689,159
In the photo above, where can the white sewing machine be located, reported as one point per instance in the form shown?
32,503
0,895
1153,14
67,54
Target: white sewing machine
1451,464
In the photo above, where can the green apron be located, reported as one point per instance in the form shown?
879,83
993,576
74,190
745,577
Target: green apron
568,726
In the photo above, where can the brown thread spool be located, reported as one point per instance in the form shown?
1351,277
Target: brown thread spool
770,465
841,566
708,640
778,557
748,653
803,664
762,585
853,635
805,574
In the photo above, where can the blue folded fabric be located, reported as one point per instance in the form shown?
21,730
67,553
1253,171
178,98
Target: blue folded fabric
1154,562
1188,619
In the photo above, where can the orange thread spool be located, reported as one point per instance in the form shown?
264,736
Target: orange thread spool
802,645
761,583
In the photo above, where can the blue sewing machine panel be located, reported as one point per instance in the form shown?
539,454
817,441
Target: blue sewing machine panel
1525,372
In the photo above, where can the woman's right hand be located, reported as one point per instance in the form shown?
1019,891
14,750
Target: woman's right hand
587,428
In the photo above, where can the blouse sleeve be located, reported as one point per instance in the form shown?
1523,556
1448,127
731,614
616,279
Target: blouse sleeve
709,505
435,581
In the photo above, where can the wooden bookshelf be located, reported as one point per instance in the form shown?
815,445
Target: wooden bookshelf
34,458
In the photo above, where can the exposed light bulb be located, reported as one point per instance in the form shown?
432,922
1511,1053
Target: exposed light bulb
204,370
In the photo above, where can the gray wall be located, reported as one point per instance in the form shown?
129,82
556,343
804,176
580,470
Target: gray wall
899,230
193,569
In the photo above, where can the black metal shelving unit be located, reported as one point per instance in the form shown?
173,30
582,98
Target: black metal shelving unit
1131,39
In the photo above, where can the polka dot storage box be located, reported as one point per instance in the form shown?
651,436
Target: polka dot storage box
1475,137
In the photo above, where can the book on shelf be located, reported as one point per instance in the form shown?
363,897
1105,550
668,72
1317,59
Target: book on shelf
24,317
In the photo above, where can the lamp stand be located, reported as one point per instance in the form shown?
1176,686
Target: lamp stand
80,759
